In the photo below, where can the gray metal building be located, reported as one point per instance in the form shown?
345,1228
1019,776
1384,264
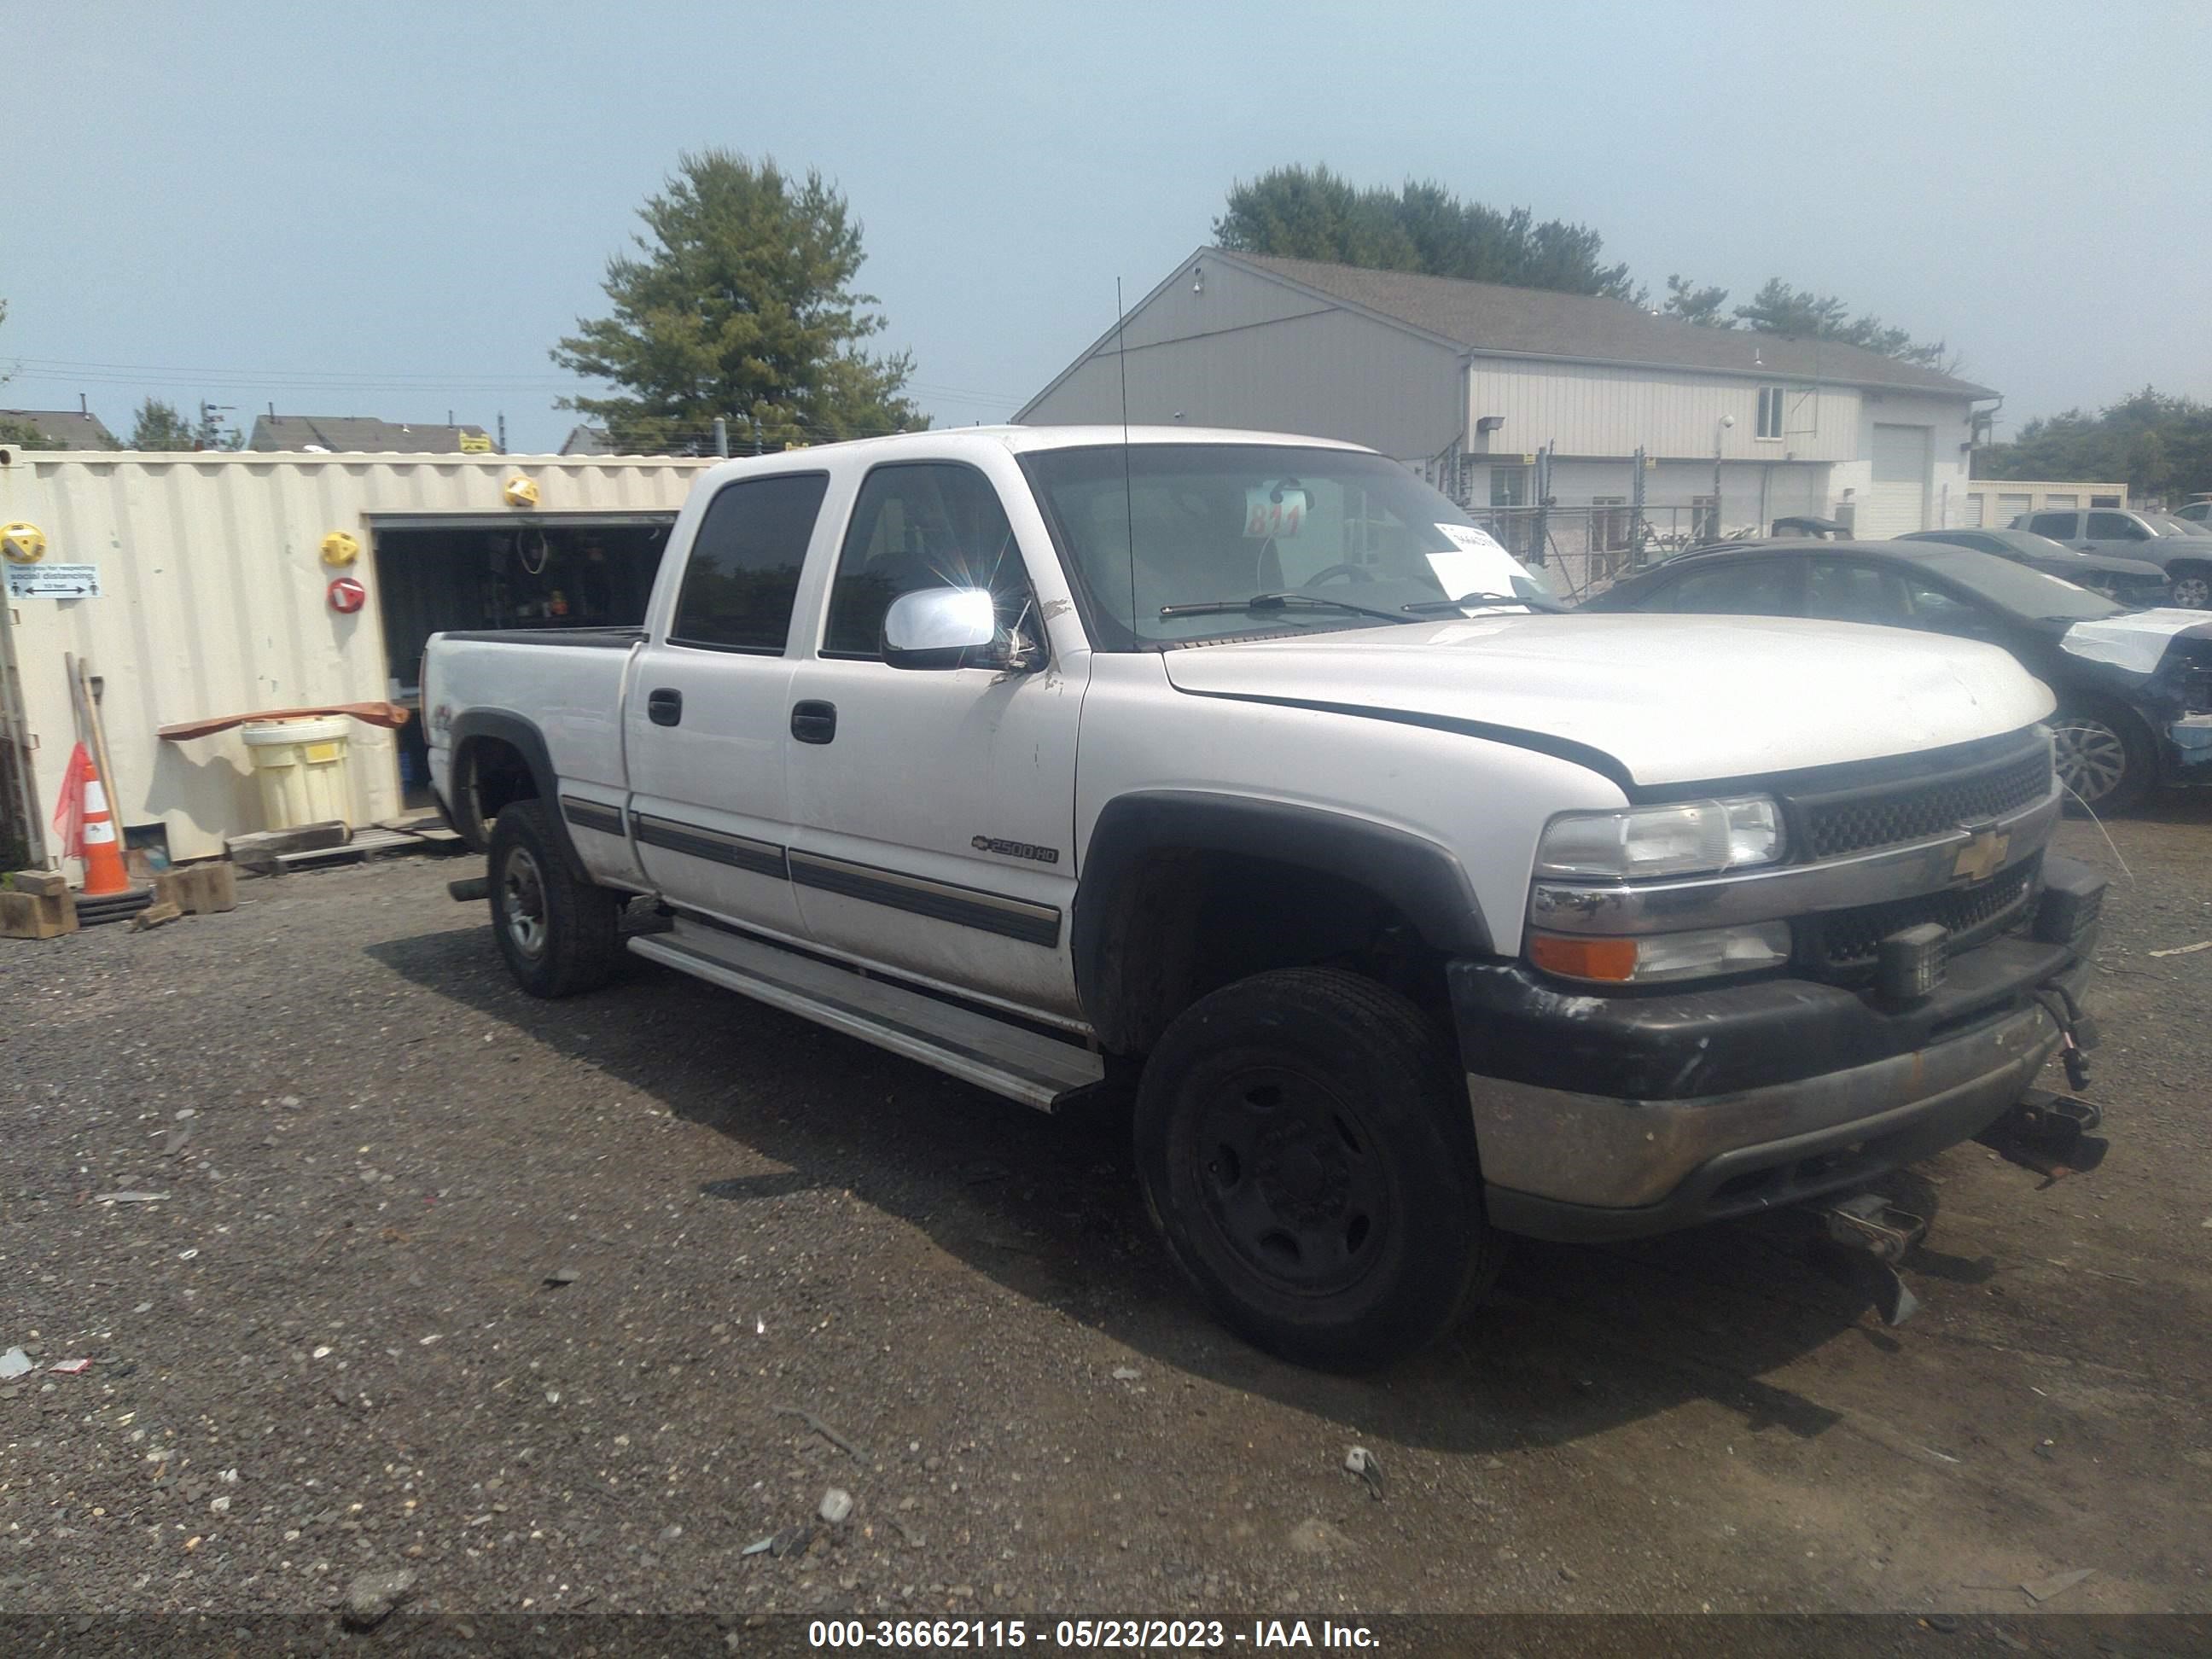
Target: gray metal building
1471,380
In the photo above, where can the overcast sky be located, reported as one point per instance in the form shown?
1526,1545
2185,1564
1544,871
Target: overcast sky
395,210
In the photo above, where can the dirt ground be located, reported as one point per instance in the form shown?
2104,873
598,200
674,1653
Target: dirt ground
794,1263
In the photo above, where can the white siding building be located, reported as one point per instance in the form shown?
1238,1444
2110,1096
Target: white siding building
1471,381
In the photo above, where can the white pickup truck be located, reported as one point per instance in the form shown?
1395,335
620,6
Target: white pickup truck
1243,769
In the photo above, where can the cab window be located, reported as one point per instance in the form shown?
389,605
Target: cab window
741,576
921,525
2059,526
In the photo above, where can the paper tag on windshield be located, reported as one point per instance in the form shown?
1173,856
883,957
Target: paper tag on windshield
1467,537
1274,510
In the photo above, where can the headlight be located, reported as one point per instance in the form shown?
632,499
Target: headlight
1650,959
1682,838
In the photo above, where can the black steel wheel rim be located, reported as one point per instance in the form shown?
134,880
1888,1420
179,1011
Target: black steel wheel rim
1293,1180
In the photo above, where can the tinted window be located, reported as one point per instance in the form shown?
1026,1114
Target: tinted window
1842,590
1763,589
930,525
2114,527
2057,525
1939,611
2016,589
743,574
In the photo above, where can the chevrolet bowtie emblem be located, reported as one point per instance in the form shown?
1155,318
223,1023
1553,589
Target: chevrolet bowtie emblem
1980,858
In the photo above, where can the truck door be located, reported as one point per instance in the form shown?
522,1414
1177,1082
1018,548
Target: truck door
933,811
709,699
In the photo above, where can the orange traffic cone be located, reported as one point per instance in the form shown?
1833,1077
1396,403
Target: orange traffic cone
103,857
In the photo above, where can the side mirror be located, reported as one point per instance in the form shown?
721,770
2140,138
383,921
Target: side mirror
939,627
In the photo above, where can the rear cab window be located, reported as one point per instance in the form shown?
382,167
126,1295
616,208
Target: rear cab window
741,577
2059,526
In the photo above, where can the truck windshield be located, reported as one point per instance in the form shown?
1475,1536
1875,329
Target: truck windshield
1194,530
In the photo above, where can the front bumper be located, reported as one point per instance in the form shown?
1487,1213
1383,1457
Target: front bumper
1609,1117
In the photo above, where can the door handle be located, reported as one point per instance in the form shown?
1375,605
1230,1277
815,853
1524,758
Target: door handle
814,723
664,707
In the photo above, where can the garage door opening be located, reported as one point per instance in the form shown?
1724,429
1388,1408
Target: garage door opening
496,573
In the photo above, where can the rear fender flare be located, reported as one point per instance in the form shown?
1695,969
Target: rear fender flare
477,725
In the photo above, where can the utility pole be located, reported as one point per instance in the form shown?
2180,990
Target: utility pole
210,435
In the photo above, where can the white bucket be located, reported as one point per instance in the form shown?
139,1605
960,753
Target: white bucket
301,766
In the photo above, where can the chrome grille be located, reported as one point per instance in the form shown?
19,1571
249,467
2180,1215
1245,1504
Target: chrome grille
1856,823
1844,943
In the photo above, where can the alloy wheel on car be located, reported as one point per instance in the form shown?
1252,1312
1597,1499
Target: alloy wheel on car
2193,592
2091,757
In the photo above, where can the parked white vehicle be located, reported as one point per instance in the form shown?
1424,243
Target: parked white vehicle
1245,769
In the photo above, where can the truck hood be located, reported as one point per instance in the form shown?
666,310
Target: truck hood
1650,700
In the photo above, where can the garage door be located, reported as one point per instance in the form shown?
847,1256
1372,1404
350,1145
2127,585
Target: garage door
1897,503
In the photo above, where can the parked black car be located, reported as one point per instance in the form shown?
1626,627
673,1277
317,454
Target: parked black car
2134,686
2132,582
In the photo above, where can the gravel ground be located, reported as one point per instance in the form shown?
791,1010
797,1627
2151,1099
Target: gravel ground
566,1305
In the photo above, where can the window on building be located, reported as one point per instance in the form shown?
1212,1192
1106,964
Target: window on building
1508,486
1608,531
1770,411
742,575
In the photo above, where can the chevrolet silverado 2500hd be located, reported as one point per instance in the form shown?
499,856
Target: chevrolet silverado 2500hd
1246,769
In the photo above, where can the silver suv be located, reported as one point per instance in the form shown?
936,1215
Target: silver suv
2182,549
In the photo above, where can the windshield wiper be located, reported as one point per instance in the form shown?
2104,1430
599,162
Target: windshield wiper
1430,607
1275,602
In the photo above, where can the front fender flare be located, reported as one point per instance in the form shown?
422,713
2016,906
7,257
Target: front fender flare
1420,879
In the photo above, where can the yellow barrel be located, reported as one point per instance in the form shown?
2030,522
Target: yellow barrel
301,766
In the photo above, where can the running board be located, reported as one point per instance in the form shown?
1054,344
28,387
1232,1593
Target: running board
1006,1058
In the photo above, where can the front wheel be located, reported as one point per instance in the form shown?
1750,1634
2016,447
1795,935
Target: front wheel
1306,1150
2104,757
559,933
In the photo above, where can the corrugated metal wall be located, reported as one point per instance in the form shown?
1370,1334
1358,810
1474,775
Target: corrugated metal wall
213,602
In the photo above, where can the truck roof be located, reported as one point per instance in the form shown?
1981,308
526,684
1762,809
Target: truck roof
1023,439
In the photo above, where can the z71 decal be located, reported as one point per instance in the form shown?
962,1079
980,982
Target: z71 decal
1015,849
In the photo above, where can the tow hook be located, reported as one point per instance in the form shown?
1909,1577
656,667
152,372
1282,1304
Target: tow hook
1875,1235
2052,1134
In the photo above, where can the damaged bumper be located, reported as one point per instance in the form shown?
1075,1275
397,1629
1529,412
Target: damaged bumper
1609,1117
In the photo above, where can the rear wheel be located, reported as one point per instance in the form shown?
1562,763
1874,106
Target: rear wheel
2191,589
2104,757
1305,1147
559,933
